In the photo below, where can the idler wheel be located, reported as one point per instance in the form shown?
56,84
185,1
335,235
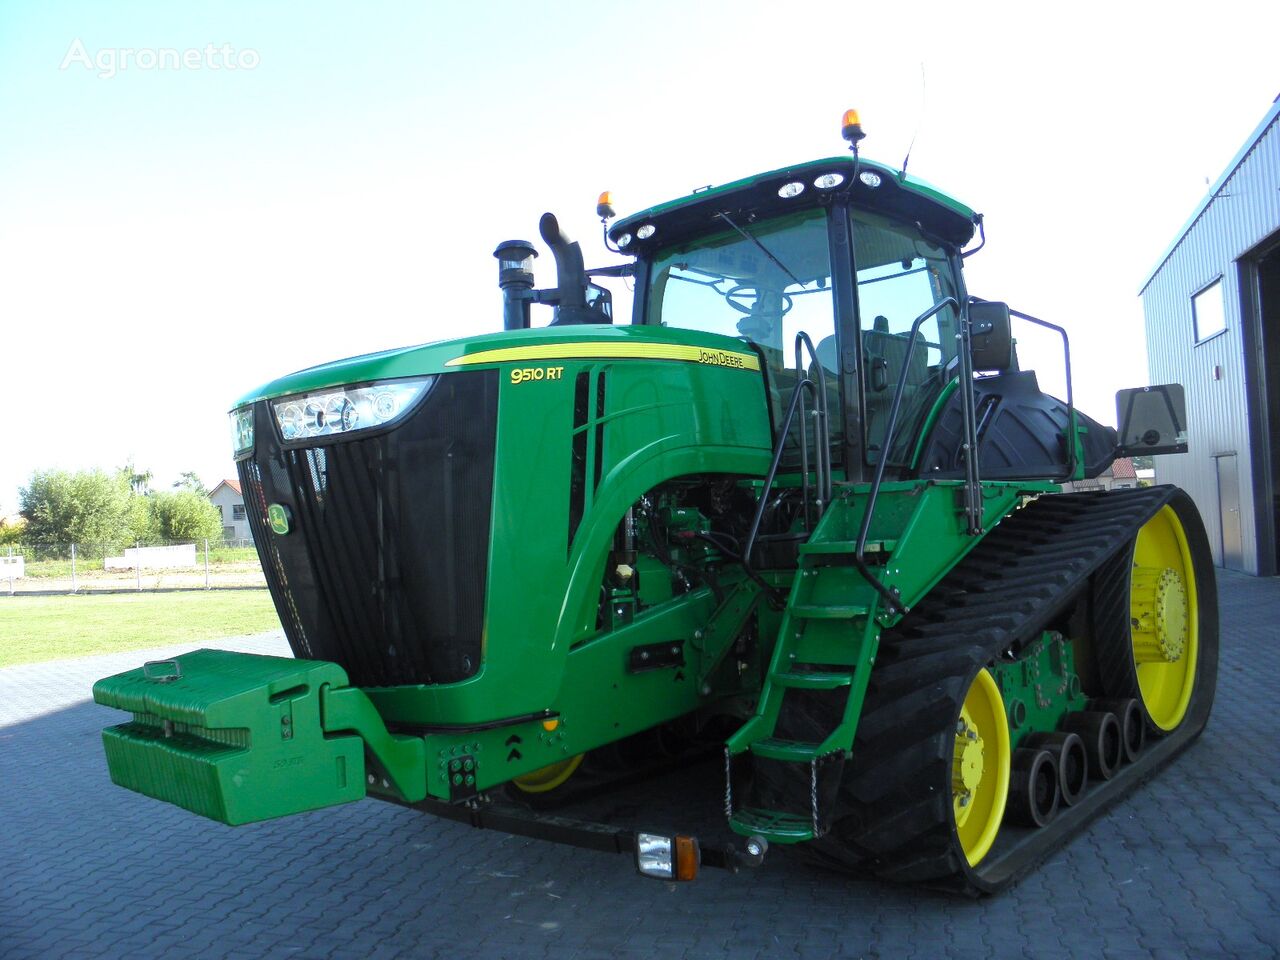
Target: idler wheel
1073,763
1103,740
1033,787
1133,729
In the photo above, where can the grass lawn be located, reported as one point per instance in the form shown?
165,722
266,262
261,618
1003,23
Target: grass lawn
54,628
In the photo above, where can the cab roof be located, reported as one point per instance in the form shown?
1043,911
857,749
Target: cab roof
868,184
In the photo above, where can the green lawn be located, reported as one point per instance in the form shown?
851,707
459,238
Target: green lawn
53,628
61,568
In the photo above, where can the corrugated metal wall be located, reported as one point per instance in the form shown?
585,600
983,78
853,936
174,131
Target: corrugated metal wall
1244,211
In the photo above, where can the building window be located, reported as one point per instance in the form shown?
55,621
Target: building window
1208,312
218,507
237,511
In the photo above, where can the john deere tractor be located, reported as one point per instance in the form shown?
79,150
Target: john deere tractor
803,513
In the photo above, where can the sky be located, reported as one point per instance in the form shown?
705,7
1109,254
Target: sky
198,198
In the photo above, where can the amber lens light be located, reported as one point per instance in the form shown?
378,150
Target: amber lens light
851,119
687,857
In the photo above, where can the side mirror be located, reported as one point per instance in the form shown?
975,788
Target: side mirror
990,336
600,303
1151,420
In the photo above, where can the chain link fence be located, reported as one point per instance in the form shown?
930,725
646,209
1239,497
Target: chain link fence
113,567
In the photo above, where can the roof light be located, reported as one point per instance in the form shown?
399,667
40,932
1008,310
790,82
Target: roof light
792,189
828,181
851,129
604,206
623,240
646,231
871,179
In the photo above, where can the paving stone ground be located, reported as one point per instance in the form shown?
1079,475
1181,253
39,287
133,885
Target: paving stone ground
1189,865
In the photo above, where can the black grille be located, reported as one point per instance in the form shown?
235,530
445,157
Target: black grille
383,570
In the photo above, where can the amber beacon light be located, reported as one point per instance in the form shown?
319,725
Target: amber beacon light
851,128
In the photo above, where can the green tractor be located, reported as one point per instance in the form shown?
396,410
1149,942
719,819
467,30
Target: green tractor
804,511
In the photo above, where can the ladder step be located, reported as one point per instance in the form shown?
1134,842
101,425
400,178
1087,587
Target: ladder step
826,680
828,612
777,826
847,546
771,748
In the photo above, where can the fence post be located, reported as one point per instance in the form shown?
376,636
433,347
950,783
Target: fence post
74,588
137,563
206,563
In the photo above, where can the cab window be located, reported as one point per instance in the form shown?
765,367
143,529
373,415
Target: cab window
764,283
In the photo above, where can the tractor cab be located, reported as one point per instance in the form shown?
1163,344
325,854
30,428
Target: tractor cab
847,253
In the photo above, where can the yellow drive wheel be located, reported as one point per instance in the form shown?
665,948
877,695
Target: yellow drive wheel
980,767
549,777
1164,619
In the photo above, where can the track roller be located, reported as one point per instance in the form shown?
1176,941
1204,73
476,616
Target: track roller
1133,727
1033,787
1100,731
1073,762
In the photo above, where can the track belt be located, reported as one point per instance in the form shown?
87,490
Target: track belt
892,819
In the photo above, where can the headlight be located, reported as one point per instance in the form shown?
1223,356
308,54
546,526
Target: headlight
347,409
242,430
667,858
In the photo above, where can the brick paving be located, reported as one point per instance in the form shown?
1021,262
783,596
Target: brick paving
1189,865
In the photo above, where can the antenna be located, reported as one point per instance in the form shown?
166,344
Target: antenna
919,119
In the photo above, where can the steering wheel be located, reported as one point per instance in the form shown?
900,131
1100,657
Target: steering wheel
747,290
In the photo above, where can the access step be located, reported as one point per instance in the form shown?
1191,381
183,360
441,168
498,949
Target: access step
847,547
817,680
828,611
778,827
795,751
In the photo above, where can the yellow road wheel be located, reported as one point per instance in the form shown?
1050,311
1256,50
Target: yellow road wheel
980,767
549,777
1164,618
1154,620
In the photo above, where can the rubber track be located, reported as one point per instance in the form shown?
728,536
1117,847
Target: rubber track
894,819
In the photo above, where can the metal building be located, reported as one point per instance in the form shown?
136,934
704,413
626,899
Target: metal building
1212,309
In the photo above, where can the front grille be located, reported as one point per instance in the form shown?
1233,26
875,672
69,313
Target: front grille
384,567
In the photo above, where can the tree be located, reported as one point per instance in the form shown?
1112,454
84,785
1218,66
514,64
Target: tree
143,524
11,533
86,507
190,480
185,515
139,480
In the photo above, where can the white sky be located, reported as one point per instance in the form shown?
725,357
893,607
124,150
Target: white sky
170,239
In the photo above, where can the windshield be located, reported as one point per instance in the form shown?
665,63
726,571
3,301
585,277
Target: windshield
764,282
899,277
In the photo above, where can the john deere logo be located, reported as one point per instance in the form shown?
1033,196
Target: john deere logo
278,517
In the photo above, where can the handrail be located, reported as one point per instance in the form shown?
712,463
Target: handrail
1071,407
1072,436
750,543
892,600
822,435
821,443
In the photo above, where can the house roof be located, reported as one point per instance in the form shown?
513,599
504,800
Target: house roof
233,484
1122,469
1209,197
